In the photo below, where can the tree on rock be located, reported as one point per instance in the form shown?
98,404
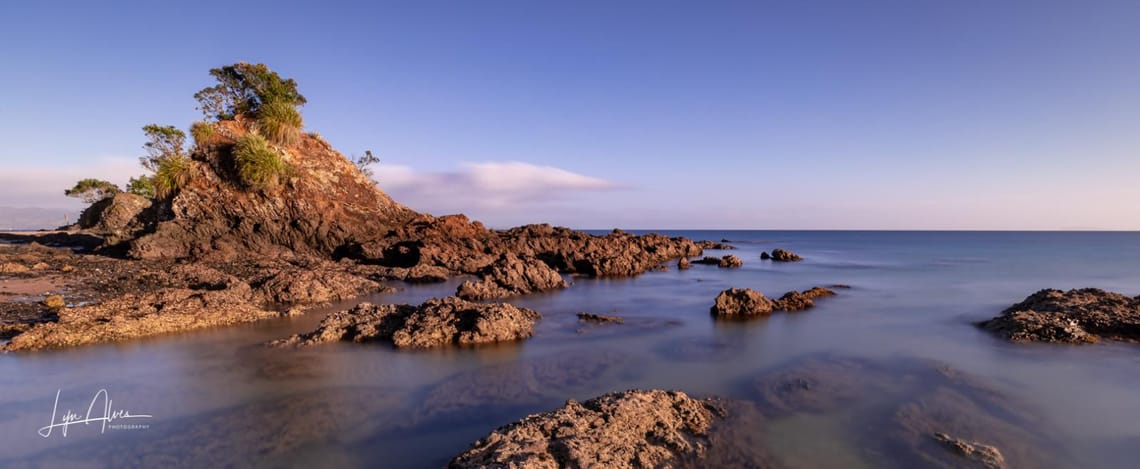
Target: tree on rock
254,91
92,190
166,157
142,186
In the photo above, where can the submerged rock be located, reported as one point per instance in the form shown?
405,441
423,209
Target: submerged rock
510,276
623,429
983,455
1076,316
721,246
683,263
435,323
799,301
729,261
599,319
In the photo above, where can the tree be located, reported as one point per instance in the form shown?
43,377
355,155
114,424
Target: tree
142,185
363,162
92,190
164,142
243,89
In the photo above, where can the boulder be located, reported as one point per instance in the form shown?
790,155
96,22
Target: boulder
683,264
115,217
730,262
1076,316
742,302
509,276
313,285
435,323
13,268
599,318
783,255
799,301
979,454
619,430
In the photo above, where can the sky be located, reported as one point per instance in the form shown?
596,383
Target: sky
892,114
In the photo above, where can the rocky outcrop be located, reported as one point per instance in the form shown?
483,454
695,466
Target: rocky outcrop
435,323
799,301
116,217
781,255
1076,316
728,262
683,264
745,302
599,318
325,204
310,286
713,245
978,454
133,316
510,276
619,430
742,302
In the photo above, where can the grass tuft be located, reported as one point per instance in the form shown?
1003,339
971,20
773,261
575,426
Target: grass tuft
280,122
258,165
172,174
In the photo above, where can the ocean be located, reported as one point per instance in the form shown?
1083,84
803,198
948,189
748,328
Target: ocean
219,397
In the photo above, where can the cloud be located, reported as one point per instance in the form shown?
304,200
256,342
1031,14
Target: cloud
43,186
487,187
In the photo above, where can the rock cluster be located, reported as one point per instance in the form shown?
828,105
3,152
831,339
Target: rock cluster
721,246
1075,316
728,261
435,323
982,455
781,255
510,276
619,430
745,302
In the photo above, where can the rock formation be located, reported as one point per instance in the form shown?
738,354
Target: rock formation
781,255
510,276
745,302
619,430
599,318
1076,316
115,218
728,261
435,323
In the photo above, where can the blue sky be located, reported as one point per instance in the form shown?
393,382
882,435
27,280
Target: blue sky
813,114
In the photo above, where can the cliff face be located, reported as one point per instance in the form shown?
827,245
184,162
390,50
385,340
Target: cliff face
324,204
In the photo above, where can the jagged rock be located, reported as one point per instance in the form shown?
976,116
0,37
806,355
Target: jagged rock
619,430
742,302
1076,316
426,274
599,318
783,255
309,286
799,301
510,276
981,455
729,261
435,323
683,264
115,217
715,245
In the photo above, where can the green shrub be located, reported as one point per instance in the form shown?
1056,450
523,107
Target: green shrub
142,185
280,122
172,174
258,165
163,141
203,133
92,190
243,88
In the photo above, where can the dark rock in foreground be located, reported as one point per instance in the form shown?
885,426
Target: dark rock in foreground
781,255
436,323
1076,316
744,302
599,318
510,276
624,429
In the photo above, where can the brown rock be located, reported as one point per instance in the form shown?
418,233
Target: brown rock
799,301
742,302
783,255
41,266
1075,316
683,264
619,430
115,217
979,454
13,268
730,262
55,302
599,318
715,245
313,285
510,276
435,323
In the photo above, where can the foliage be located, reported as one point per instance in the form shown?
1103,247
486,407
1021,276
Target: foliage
142,185
92,190
172,174
279,122
203,133
243,89
259,165
164,141
363,163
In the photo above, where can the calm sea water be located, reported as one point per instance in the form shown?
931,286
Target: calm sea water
219,397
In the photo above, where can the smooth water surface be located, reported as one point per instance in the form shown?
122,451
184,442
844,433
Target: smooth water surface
218,397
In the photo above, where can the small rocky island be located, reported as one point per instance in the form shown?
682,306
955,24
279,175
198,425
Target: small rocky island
1079,316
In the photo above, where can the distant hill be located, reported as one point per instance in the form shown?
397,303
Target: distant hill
34,218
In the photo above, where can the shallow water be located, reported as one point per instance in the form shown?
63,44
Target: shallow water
218,397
